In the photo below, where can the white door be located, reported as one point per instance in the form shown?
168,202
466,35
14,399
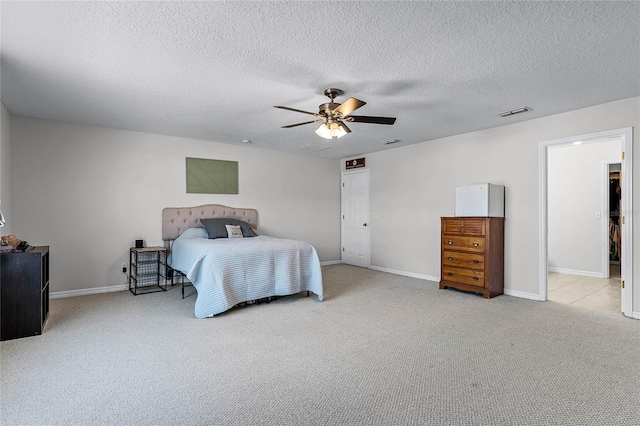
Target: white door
355,217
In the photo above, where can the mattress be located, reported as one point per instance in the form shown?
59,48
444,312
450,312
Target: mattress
229,271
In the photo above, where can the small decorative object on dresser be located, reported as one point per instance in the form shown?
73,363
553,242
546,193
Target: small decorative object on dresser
472,254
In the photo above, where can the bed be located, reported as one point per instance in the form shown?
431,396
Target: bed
227,272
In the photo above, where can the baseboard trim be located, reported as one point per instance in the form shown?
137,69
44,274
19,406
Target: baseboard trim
522,294
636,315
406,274
514,293
122,287
575,272
87,291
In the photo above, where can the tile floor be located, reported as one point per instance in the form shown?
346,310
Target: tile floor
592,293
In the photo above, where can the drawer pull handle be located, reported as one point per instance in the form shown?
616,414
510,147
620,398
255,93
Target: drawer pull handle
450,258
476,244
475,278
450,274
450,242
476,261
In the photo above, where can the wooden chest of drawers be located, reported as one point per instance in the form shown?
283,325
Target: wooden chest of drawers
472,254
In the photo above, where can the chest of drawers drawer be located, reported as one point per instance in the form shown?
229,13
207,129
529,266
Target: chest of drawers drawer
462,259
455,242
464,275
464,226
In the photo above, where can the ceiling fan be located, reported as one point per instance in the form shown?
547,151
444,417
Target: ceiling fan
333,115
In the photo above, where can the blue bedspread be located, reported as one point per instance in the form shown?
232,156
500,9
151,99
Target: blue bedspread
228,271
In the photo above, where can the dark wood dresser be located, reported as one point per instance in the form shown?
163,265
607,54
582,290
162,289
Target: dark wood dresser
472,254
24,288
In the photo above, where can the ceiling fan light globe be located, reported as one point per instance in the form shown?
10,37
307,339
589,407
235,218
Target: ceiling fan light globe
336,130
332,130
324,132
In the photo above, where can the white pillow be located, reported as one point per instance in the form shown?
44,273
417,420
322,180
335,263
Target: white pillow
234,231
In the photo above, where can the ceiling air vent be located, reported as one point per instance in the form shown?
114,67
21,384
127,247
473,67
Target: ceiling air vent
313,147
514,111
390,141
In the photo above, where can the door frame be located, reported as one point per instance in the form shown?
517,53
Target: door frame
626,261
342,230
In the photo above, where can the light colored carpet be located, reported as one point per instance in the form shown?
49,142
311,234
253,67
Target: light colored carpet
381,349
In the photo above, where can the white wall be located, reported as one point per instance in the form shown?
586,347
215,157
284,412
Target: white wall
576,178
5,168
82,183
89,192
413,186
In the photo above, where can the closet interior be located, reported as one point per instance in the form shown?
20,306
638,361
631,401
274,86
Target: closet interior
614,216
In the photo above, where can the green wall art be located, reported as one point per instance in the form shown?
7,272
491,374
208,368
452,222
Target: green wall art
211,176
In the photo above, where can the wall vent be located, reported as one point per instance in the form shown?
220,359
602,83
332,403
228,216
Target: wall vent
515,111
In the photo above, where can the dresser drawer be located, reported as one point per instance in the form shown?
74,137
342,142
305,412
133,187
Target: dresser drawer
471,244
462,275
465,260
464,226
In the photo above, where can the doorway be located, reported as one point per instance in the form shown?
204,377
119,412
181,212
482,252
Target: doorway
585,264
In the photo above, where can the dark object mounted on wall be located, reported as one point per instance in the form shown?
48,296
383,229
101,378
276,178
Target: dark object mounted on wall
354,164
139,244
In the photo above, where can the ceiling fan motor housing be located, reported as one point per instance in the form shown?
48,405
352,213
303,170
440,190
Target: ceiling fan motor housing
327,108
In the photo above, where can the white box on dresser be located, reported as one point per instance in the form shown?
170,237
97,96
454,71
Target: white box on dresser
480,199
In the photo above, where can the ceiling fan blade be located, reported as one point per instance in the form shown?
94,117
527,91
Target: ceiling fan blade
300,124
295,110
348,106
344,126
370,119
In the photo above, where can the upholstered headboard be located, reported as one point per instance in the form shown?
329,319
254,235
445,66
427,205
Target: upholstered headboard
175,220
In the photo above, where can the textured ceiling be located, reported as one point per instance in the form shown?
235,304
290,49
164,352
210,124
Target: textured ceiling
213,70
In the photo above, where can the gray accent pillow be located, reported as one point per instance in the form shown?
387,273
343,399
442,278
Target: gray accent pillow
216,227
